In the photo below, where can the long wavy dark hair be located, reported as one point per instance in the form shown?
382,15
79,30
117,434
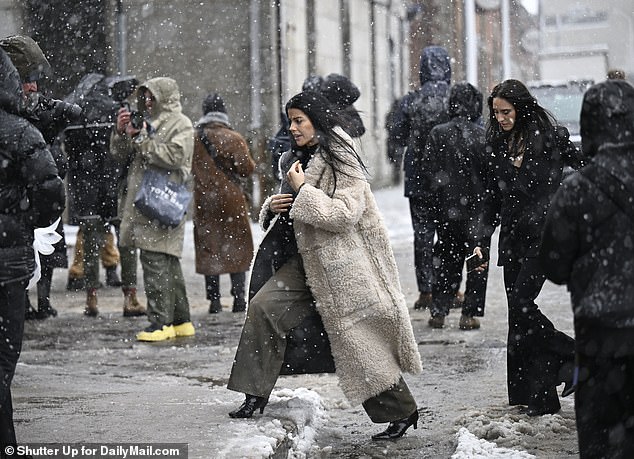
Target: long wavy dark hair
325,118
527,109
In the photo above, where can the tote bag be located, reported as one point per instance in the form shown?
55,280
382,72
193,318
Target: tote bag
161,200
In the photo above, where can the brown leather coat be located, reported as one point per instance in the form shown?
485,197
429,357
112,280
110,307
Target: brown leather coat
222,227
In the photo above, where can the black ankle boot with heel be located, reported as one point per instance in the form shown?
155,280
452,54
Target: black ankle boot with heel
396,429
251,403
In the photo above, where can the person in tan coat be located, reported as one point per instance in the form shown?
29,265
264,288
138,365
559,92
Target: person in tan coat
164,142
222,228
327,250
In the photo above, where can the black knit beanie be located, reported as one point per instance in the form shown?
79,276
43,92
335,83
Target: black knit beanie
213,103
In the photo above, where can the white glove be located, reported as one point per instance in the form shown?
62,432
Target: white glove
44,239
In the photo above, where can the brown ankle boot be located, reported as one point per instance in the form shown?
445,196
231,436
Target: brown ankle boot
131,306
91,303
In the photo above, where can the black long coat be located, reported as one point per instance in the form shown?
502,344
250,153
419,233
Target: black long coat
522,195
308,346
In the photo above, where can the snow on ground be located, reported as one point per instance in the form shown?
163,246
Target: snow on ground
287,407
472,447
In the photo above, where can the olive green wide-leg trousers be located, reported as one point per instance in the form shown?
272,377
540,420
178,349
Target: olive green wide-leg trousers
280,305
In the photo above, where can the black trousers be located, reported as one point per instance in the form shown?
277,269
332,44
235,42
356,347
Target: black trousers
476,287
536,350
448,260
424,232
212,286
449,253
604,399
12,305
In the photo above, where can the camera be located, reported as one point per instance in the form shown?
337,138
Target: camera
136,119
42,107
120,89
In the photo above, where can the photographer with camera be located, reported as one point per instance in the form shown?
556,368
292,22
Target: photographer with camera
93,186
50,116
166,146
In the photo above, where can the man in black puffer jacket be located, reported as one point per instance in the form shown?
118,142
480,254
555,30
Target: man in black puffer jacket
588,243
31,195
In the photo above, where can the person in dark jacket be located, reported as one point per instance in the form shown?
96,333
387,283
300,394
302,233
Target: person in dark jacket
222,228
93,187
420,111
587,244
454,166
32,65
393,147
528,151
31,195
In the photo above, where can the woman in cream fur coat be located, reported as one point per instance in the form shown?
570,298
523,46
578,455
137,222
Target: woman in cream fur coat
326,247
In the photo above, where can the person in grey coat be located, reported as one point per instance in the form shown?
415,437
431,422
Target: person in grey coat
588,245
333,255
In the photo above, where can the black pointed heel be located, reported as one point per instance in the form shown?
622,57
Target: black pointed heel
568,374
251,403
396,429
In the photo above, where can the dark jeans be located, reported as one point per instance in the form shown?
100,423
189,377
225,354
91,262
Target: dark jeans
424,231
12,305
604,399
536,350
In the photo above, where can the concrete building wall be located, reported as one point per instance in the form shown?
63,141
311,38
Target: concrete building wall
256,54
10,17
573,30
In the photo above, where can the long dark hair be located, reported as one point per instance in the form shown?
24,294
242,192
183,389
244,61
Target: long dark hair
527,109
325,118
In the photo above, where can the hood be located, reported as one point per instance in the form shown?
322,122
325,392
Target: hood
11,94
435,65
165,92
607,115
465,101
27,57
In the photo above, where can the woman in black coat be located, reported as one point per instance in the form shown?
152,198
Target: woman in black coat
528,151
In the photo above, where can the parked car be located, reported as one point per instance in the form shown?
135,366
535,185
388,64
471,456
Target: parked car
563,100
